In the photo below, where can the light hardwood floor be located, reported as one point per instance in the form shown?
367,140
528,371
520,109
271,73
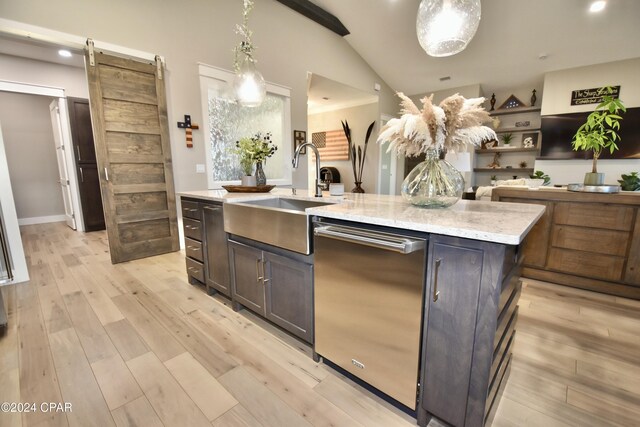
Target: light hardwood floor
135,345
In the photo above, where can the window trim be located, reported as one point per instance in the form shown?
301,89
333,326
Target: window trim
208,73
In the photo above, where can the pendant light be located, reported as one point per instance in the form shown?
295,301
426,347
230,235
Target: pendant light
445,27
248,85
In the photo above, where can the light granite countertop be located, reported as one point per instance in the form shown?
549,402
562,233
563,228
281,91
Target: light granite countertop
497,222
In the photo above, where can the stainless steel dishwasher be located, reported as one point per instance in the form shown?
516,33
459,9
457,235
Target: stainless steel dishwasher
368,290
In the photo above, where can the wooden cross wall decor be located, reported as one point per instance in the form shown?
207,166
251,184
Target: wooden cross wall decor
188,127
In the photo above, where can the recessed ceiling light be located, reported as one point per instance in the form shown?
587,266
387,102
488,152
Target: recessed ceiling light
325,98
445,78
597,6
64,53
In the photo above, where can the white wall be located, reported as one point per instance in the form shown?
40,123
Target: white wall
359,119
191,31
31,155
558,86
72,79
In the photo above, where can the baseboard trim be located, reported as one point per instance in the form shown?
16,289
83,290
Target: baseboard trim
41,219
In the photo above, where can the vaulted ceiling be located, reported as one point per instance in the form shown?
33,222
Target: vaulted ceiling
505,52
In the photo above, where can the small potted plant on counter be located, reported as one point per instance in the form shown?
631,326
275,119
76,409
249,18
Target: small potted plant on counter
541,176
630,182
600,132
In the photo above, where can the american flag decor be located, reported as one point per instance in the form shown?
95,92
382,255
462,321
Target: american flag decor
332,145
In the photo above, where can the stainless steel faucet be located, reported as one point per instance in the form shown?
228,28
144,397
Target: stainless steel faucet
295,164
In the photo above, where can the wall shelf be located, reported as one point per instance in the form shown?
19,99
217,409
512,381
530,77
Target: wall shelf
507,111
522,129
505,170
505,150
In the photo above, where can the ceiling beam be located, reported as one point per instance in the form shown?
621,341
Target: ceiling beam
317,14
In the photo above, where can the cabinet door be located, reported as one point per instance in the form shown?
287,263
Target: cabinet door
454,275
246,276
217,254
289,288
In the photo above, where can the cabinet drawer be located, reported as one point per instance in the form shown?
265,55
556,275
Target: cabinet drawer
596,266
596,215
192,229
193,249
195,269
608,242
190,209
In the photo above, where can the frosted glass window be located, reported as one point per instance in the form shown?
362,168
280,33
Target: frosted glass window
227,122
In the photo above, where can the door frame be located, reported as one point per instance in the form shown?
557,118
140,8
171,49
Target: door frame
32,89
10,217
393,160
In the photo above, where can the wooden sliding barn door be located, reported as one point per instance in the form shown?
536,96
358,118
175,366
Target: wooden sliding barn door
131,132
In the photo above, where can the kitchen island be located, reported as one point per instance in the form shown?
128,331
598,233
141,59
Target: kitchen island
463,306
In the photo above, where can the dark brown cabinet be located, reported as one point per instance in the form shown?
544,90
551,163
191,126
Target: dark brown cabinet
86,167
288,291
206,245
215,246
275,284
246,277
471,301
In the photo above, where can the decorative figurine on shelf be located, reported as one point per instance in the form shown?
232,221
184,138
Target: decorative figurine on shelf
528,142
495,164
523,165
533,98
493,101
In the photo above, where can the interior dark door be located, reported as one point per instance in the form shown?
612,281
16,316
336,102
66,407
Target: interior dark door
85,154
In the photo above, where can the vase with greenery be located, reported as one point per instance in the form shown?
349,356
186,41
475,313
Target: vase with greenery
450,126
630,182
600,132
357,163
251,151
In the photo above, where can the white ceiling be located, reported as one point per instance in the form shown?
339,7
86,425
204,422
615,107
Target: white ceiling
338,94
40,51
504,53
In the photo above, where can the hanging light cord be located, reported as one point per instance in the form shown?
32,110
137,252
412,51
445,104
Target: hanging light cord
245,46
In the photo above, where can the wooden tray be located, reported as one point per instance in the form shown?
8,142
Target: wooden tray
247,189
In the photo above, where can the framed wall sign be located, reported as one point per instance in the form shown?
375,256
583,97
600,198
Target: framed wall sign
591,96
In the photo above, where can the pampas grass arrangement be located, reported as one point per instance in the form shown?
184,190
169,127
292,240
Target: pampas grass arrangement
457,121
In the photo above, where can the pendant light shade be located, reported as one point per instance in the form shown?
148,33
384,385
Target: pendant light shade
248,85
445,27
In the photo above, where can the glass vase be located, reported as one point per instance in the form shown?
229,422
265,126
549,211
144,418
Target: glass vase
261,178
434,183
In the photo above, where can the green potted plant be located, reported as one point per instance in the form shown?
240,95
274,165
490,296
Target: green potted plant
541,175
600,132
493,180
630,182
507,138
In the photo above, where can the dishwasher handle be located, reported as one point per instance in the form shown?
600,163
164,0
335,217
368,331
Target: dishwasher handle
389,242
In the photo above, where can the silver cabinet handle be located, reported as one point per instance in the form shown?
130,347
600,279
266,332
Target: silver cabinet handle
390,242
258,276
81,175
106,174
194,248
209,208
264,275
436,292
